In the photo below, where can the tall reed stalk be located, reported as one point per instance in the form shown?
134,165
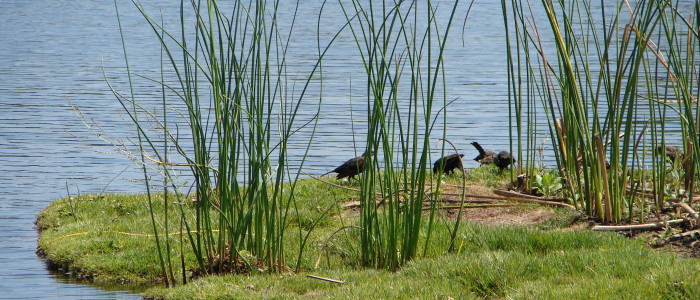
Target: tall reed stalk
402,49
593,92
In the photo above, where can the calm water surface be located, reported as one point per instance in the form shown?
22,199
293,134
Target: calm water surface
53,53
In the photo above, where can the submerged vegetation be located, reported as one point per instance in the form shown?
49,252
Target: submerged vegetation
605,84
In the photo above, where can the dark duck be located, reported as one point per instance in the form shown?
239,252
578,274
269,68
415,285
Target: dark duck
352,167
484,157
502,160
448,164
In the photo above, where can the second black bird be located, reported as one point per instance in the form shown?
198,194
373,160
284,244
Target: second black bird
502,160
672,153
484,157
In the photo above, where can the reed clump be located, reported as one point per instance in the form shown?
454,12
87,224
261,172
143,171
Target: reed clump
401,44
229,91
603,93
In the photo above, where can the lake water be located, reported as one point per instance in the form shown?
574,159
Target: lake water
53,52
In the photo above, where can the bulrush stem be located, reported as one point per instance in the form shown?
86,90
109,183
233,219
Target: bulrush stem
604,172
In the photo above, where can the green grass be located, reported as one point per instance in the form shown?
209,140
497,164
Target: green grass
488,262
604,270
111,235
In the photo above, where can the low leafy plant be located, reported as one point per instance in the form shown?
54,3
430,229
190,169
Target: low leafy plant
549,184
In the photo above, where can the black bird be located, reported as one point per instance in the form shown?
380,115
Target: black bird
671,152
503,160
484,157
449,163
351,167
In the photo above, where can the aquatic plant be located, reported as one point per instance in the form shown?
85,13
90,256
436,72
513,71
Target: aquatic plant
228,75
402,50
603,93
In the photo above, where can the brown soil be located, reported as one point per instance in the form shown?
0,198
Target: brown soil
502,213
515,214
683,241
497,216
689,248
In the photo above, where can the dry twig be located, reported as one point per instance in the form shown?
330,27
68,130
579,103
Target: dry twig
326,279
647,226
513,196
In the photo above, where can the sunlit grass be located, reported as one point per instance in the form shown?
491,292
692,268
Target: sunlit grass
536,266
110,237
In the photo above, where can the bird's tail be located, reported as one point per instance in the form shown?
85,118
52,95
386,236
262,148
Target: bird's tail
482,153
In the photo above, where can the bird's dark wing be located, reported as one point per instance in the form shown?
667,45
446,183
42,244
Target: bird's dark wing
436,165
450,161
350,168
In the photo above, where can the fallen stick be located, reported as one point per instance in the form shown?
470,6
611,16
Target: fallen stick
471,206
641,193
536,201
472,196
649,194
491,198
507,195
358,204
355,204
683,235
689,209
460,201
646,226
330,183
512,194
326,279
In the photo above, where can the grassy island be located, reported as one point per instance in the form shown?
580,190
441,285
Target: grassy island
544,254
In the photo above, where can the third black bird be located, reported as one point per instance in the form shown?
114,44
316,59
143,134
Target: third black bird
503,160
672,153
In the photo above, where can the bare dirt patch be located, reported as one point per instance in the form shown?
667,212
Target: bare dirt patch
481,206
499,216
509,214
